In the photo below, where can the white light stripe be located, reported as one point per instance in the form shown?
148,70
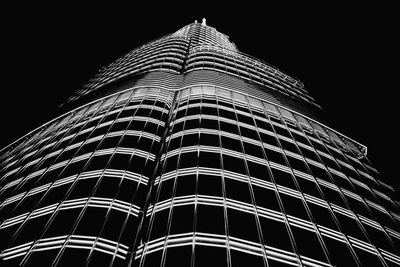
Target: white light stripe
43,211
332,233
312,263
110,252
383,183
64,181
282,259
15,220
81,157
30,163
12,199
11,184
58,165
370,222
90,174
104,242
342,211
390,256
12,172
52,154
52,238
289,191
11,251
395,215
362,245
376,206
46,248
49,243
279,253
14,256
38,189
298,222
393,233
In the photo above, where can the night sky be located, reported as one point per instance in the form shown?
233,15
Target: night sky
347,57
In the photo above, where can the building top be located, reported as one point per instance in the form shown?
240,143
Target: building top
198,46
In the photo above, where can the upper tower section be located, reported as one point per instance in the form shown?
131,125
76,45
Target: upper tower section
202,34
198,46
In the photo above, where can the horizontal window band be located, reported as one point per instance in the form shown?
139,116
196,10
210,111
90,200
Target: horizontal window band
151,136
261,183
73,241
248,208
98,174
212,240
223,133
218,150
120,133
97,202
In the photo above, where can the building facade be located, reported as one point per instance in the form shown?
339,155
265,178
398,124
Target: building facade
188,152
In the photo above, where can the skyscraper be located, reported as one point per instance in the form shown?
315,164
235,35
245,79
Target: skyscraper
187,152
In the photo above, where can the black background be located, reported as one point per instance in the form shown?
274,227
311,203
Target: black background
346,55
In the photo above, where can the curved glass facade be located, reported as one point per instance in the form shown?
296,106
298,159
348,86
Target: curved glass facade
186,152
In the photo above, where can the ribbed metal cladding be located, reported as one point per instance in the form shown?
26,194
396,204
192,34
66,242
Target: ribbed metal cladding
188,152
